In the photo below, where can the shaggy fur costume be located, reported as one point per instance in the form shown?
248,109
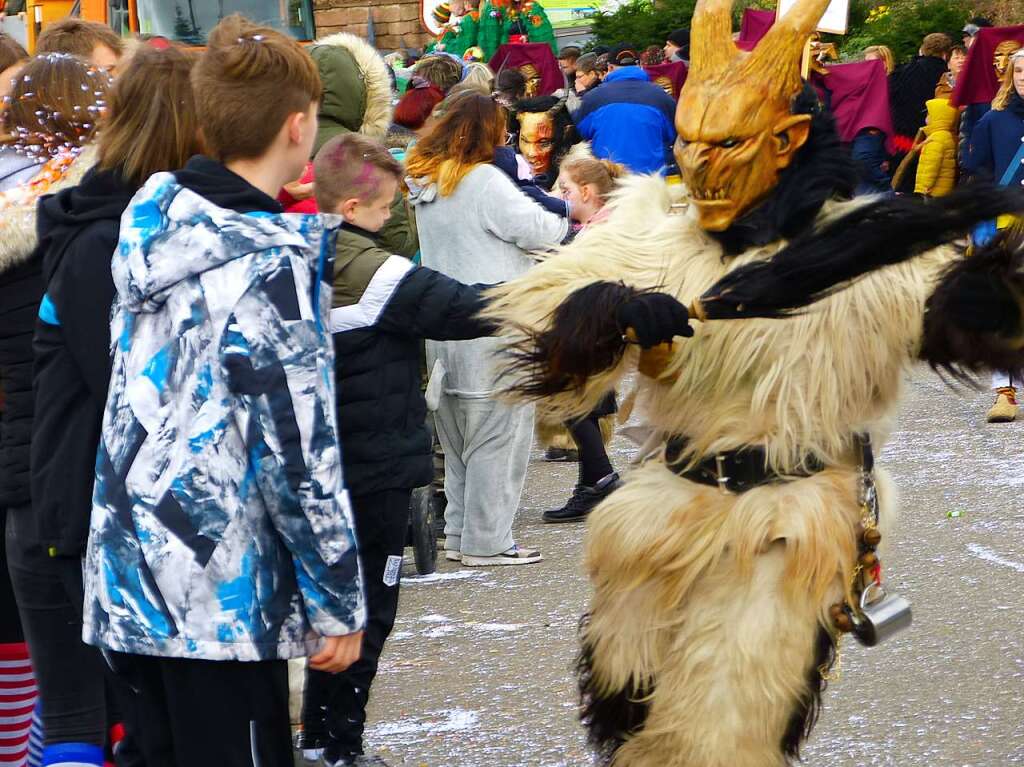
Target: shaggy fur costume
554,434
707,625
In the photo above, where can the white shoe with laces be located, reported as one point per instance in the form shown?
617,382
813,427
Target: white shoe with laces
517,555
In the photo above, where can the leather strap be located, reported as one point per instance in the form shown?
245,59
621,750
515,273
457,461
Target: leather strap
743,469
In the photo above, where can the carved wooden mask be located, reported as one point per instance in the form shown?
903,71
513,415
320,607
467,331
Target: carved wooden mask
734,120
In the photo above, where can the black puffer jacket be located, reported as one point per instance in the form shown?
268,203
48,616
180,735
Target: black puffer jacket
384,306
78,231
21,288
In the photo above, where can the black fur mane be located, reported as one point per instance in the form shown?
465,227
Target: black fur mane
609,719
805,715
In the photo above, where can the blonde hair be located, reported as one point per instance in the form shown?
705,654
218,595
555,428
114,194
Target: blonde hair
1006,89
603,175
78,37
470,128
478,75
884,52
151,125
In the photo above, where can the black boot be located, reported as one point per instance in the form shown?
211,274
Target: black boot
584,499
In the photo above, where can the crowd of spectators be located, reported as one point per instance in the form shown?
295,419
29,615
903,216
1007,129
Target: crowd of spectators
450,175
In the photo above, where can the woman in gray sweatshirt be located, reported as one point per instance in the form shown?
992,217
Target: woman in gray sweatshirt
477,226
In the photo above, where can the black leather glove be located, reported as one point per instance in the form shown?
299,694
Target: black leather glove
981,303
655,318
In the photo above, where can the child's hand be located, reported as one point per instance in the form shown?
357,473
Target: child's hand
338,653
298,190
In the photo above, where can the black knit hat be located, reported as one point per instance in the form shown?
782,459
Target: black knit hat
625,57
679,38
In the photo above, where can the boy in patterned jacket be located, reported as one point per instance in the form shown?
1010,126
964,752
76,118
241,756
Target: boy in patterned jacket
221,540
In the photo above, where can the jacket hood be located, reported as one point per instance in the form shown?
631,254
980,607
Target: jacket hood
627,73
13,163
941,116
102,196
357,88
18,210
170,233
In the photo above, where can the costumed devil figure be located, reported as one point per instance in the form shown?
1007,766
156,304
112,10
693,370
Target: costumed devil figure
543,133
726,568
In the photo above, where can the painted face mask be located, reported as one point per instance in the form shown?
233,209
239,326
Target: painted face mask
537,140
1001,57
529,71
665,84
736,129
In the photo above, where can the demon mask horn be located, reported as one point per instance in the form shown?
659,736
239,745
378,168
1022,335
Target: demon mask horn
734,120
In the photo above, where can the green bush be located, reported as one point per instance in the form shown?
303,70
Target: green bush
641,23
901,24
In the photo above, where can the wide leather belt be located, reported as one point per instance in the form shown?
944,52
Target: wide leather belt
737,471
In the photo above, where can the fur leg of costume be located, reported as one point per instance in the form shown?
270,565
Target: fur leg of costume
554,434
712,611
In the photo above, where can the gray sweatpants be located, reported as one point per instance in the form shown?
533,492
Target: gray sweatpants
486,450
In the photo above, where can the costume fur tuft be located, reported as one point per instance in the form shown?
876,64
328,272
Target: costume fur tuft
805,714
843,248
610,716
973,319
583,339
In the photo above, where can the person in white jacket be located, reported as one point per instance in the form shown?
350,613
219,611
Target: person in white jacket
477,226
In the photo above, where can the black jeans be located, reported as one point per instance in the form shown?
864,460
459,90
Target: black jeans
334,706
206,713
70,674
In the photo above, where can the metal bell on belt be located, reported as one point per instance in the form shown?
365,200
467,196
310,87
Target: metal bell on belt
881,615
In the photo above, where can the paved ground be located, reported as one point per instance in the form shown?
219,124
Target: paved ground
478,671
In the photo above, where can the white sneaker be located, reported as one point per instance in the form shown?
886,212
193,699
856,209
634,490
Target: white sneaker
514,556
451,553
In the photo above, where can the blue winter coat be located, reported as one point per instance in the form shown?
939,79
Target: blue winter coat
995,142
629,120
220,527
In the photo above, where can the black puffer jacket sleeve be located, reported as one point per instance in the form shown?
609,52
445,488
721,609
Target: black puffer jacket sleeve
429,304
72,372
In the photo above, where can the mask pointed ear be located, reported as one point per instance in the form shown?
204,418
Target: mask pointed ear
789,134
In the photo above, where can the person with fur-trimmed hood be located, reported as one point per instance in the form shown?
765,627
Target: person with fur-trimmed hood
357,99
728,565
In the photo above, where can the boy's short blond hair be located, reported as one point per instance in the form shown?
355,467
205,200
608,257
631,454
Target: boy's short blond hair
78,37
440,70
351,166
247,83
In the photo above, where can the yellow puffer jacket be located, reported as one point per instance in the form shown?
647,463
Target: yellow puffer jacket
936,168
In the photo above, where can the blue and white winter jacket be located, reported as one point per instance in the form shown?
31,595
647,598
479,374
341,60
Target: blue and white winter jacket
220,527
629,120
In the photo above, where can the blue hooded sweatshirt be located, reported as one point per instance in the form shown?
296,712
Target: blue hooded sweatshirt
220,527
629,120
